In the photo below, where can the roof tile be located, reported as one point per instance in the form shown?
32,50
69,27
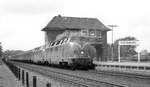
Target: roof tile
61,22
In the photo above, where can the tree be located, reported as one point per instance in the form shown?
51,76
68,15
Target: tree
144,55
1,53
109,53
125,51
9,53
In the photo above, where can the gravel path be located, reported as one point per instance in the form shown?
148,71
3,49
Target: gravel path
129,82
7,79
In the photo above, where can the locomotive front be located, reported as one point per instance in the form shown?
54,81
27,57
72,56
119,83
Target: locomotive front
83,53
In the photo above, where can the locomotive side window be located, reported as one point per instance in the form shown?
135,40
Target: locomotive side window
62,42
50,44
65,41
53,44
57,43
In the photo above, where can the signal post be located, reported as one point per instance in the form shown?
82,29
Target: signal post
131,42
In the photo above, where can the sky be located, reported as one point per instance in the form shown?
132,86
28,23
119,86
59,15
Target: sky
21,21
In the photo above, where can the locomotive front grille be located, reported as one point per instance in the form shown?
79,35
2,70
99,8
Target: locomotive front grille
82,61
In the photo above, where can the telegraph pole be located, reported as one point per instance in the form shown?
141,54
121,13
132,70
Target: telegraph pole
112,53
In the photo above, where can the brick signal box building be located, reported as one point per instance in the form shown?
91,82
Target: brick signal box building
61,25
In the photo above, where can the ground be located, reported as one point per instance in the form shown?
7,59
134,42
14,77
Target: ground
7,79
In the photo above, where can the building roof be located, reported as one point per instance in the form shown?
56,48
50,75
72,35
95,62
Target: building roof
63,23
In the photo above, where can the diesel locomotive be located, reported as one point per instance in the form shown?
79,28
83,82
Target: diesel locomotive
74,51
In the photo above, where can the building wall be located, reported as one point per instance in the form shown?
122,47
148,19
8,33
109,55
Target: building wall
104,45
101,48
51,35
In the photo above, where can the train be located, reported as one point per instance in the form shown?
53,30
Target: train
73,52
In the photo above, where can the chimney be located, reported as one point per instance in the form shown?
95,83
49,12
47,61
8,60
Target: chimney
59,15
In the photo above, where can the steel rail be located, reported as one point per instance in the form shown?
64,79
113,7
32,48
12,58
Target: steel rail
123,74
73,79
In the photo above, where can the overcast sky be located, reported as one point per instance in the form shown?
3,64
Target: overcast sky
21,21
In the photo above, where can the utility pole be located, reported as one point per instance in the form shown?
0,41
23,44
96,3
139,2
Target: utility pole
112,53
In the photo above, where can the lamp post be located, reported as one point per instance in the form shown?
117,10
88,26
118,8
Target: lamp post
112,53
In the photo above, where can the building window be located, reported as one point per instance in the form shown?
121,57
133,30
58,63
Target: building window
99,34
84,33
92,33
62,41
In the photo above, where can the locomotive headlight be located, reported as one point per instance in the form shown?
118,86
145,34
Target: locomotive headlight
82,52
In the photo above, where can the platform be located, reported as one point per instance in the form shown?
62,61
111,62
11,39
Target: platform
7,78
146,64
142,68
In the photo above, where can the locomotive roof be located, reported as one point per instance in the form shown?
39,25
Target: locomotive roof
71,23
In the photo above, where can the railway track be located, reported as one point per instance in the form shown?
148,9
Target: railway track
69,78
122,74
90,78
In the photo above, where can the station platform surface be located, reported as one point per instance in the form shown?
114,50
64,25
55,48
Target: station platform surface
109,66
7,78
123,63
